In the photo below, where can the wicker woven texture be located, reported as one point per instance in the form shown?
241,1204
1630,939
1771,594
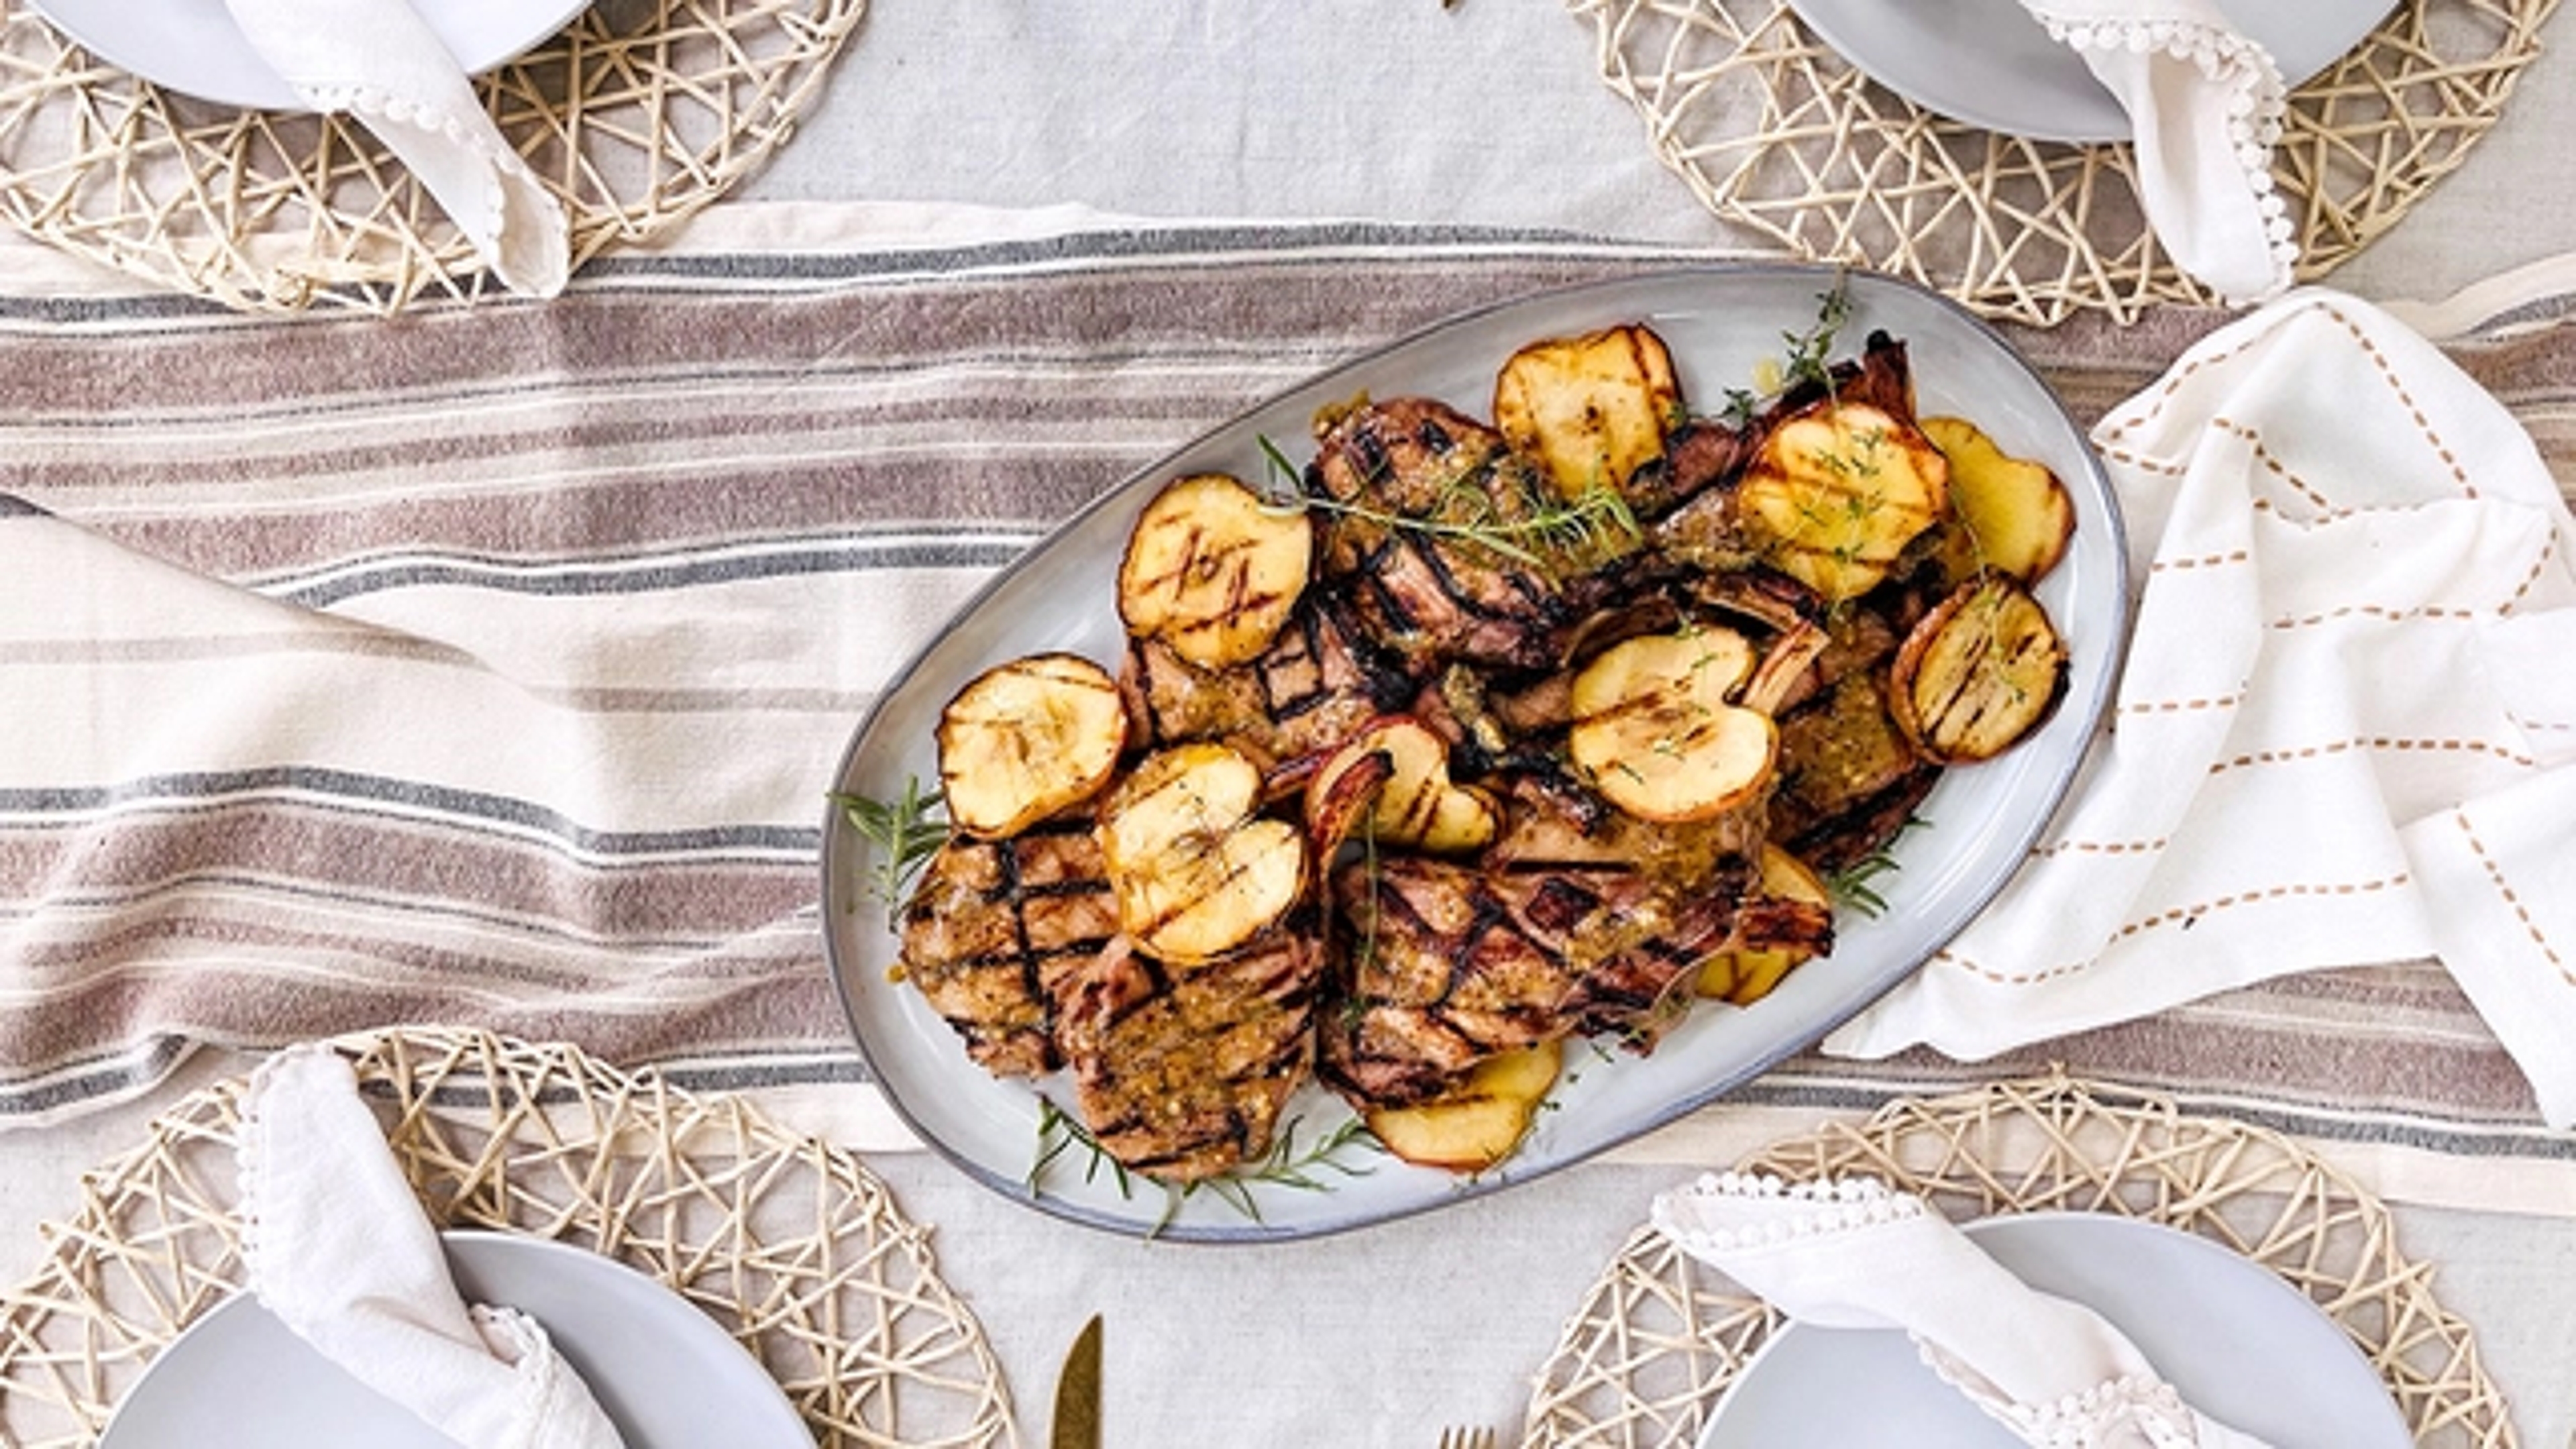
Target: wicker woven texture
636,115
1776,132
1659,1336
790,1244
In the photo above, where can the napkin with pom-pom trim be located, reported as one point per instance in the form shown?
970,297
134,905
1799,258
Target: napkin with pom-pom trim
2204,104
377,61
1856,1254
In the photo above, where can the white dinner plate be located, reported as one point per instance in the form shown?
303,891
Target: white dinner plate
667,1374
1987,62
193,47
2242,1346
1720,324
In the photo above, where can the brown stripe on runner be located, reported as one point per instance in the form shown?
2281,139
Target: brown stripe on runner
791,1006
2270,1041
1132,309
339,856
1126,331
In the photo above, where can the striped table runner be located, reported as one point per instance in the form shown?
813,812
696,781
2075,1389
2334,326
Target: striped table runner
488,666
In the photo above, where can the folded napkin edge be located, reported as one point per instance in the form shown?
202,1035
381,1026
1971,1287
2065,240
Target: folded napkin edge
2257,105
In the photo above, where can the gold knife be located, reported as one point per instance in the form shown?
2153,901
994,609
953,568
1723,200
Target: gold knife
1077,1393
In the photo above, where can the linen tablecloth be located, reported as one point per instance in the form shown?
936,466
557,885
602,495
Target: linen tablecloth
491,666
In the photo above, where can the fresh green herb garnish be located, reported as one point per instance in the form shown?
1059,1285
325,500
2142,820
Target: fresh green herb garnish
1810,358
1058,1132
1553,533
1283,1166
1855,885
1811,352
904,836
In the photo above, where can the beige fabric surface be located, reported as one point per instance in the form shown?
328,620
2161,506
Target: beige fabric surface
490,667
532,493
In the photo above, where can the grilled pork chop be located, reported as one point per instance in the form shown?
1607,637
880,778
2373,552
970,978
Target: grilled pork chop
995,931
1181,1072
1417,588
1309,691
1551,821
1446,966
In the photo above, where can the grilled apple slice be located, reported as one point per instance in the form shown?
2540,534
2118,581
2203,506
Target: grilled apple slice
1837,490
1591,409
1658,732
1411,801
1195,873
1026,739
1212,571
1744,977
2012,514
1980,671
1479,1122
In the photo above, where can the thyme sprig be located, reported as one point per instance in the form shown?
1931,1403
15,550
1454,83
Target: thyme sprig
1312,1169
1809,358
903,833
1554,533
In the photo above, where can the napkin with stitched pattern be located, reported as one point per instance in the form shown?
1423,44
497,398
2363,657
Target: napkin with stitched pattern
2345,732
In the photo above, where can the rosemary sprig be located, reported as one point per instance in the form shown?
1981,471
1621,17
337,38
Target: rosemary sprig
1554,533
1059,1131
904,835
1284,1166
1855,885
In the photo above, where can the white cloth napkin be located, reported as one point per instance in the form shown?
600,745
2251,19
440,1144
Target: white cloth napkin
378,61
2204,105
1854,1254
337,1247
2346,729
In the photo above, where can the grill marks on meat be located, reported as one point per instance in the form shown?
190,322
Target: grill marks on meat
1551,821
1408,971
1427,597
1181,1073
1447,965
995,932
1313,688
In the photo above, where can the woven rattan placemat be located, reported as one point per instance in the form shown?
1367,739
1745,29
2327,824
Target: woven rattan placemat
791,1244
1659,1336
1776,132
636,115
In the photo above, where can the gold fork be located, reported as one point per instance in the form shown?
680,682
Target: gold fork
1465,1437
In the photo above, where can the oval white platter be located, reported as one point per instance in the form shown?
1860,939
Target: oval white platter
667,1374
1721,323
1987,62
2238,1343
195,48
